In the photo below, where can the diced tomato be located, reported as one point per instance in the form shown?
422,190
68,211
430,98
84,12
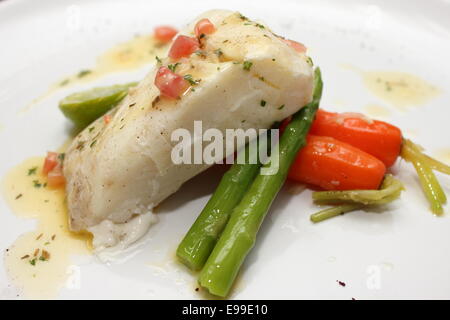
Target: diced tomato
299,47
183,46
55,177
107,118
50,162
335,165
169,83
165,33
378,138
204,26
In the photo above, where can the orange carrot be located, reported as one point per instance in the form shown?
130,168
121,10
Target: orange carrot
335,165
378,138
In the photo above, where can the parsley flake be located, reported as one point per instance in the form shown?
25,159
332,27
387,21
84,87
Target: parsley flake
172,67
219,52
247,65
37,184
83,73
191,80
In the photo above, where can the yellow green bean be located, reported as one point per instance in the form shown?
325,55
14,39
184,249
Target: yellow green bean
334,211
428,181
389,187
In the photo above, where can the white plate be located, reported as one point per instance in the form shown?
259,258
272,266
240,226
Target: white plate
400,253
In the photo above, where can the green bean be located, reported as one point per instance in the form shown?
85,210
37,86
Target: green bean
334,211
389,186
410,150
436,164
350,200
428,181
429,187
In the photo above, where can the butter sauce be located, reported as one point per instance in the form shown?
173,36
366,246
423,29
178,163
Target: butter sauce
38,262
400,89
129,55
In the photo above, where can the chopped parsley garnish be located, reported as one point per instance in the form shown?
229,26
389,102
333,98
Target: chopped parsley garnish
33,262
281,107
83,73
37,184
61,156
309,61
219,52
172,67
200,53
191,80
158,59
263,103
19,196
247,65
259,26
93,143
80,145
32,171
242,17
64,82
91,128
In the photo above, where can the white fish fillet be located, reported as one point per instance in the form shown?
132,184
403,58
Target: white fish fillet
116,173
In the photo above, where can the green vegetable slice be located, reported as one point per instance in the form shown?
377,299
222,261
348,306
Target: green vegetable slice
428,181
389,186
82,108
352,200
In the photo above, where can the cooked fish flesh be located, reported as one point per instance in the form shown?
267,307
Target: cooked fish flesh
116,173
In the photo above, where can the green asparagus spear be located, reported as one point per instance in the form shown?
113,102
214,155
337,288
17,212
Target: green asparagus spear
239,235
84,107
201,238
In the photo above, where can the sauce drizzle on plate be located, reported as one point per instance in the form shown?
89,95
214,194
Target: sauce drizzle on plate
38,262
